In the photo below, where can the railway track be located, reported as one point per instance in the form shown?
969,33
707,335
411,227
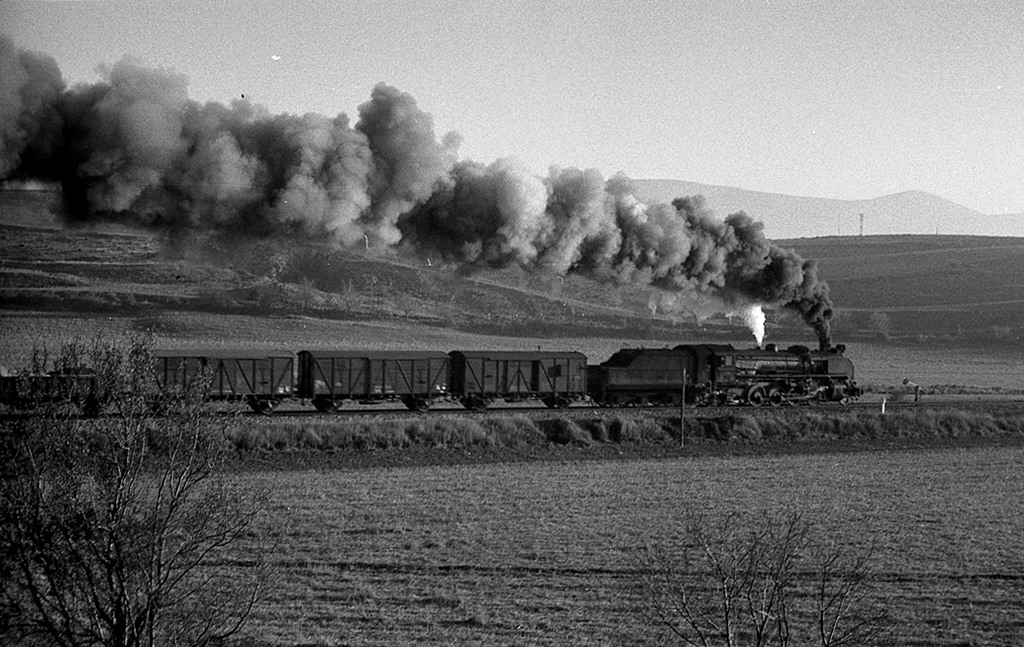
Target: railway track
1000,404
973,403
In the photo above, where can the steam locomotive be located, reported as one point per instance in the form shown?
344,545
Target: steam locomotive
718,374
697,374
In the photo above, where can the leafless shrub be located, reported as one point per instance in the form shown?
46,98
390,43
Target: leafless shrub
842,599
758,581
118,530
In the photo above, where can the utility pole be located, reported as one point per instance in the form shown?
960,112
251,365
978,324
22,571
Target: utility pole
682,413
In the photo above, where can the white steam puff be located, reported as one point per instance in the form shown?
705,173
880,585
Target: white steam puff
754,318
133,147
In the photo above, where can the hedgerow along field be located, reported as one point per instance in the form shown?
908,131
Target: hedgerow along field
546,553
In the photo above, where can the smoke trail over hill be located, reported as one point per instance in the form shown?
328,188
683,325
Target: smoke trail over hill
133,147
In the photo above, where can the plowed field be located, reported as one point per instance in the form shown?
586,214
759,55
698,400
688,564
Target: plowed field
545,553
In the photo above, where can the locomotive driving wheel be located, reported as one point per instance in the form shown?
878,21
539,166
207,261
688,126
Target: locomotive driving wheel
755,396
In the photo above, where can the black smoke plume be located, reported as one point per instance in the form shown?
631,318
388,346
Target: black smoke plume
31,87
134,148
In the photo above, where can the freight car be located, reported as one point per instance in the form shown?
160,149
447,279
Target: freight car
556,378
418,379
718,374
261,380
329,378
76,387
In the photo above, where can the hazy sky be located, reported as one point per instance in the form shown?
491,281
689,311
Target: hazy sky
841,100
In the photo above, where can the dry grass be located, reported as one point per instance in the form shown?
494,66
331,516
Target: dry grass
499,431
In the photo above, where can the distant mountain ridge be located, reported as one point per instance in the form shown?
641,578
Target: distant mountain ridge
787,216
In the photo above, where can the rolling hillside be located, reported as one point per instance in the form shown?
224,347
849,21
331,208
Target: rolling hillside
957,286
786,216
895,286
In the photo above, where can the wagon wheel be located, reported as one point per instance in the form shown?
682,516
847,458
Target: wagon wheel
556,402
262,406
755,396
474,403
325,405
420,404
92,407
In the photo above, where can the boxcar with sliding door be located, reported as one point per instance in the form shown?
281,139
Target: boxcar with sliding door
329,378
262,380
557,378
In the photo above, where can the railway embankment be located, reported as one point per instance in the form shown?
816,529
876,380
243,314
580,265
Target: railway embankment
515,436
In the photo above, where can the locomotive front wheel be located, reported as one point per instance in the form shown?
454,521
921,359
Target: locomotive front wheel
775,398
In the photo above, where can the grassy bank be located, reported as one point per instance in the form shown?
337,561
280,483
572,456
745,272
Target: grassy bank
518,431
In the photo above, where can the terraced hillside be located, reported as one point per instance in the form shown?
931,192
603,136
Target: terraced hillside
968,288
44,266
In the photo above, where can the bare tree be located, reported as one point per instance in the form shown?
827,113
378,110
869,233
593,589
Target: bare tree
735,581
118,530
